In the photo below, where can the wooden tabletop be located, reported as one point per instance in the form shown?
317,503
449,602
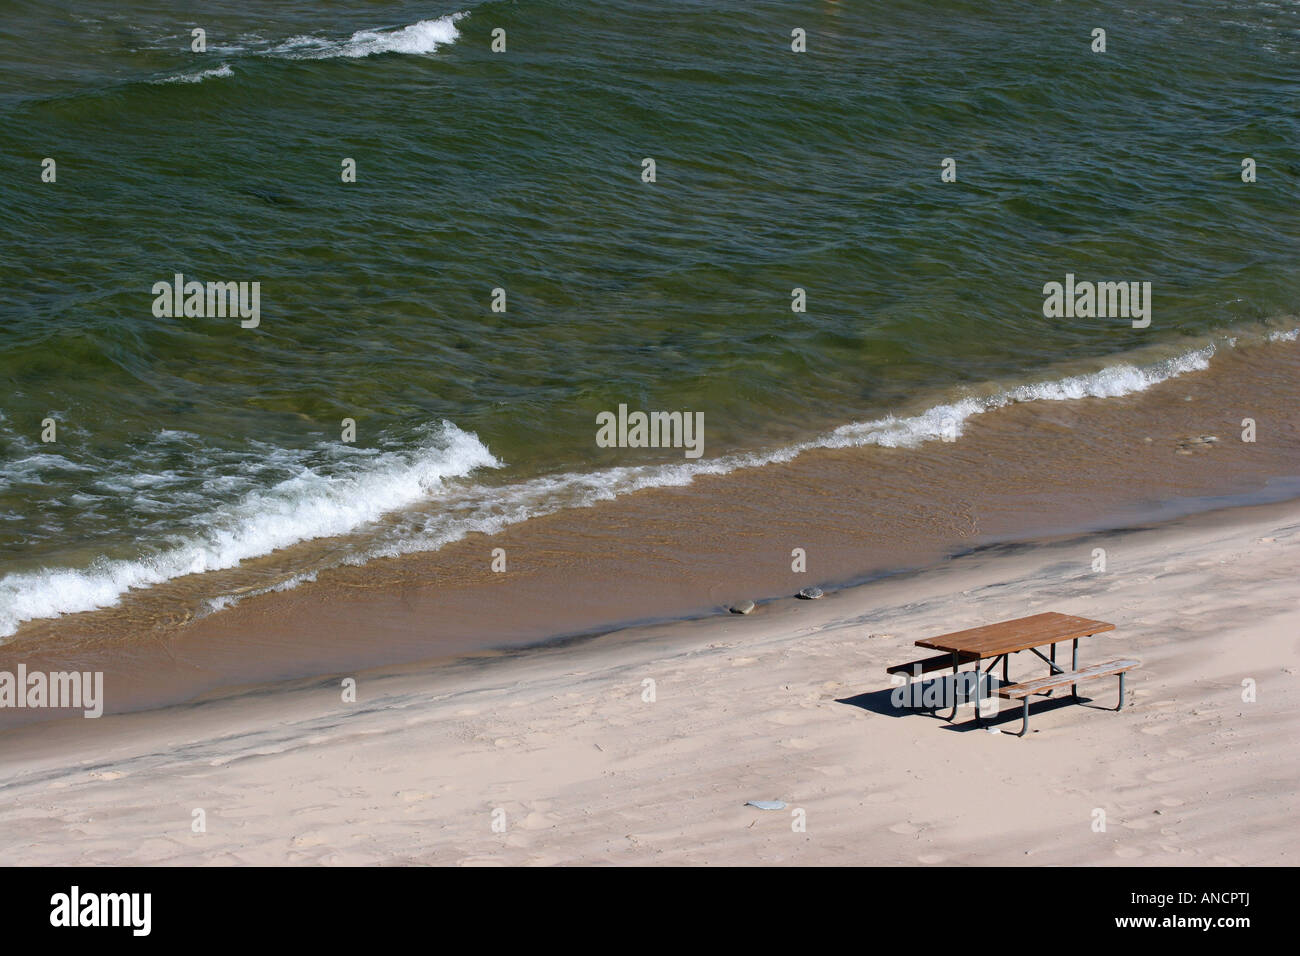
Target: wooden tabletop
1007,637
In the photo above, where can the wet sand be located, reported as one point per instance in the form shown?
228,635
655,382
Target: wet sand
1017,473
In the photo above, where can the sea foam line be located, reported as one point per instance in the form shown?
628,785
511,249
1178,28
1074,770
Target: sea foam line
216,72
310,505
494,509
419,38
304,507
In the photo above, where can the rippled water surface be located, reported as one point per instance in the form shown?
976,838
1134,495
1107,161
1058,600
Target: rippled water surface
191,444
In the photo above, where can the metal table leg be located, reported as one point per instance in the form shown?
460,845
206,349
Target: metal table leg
955,663
981,681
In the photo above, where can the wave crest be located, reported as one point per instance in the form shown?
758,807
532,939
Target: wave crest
418,38
304,507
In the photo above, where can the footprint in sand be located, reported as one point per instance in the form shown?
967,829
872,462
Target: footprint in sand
538,821
1172,801
1128,852
787,718
835,770
931,858
413,796
904,828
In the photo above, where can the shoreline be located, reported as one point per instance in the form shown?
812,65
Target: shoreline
525,434
789,702
1020,472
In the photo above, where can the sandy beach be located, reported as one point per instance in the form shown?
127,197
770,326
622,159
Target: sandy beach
643,746
530,433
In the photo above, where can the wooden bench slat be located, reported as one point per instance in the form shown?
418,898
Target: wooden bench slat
1044,684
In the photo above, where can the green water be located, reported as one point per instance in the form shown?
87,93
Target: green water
186,444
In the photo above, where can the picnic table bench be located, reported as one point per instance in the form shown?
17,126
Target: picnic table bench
997,642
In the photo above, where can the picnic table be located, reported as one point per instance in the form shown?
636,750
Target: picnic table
997,642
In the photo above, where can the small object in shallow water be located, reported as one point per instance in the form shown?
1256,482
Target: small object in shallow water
767,804
1185,445
810,594
742,607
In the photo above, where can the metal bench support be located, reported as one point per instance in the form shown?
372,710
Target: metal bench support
1024,710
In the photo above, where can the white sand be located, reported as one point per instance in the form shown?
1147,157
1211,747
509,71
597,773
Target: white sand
746,708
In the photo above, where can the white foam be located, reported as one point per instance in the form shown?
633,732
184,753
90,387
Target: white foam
1287,336
223,601
306,506
418,38
1110,382
30,466
216,72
